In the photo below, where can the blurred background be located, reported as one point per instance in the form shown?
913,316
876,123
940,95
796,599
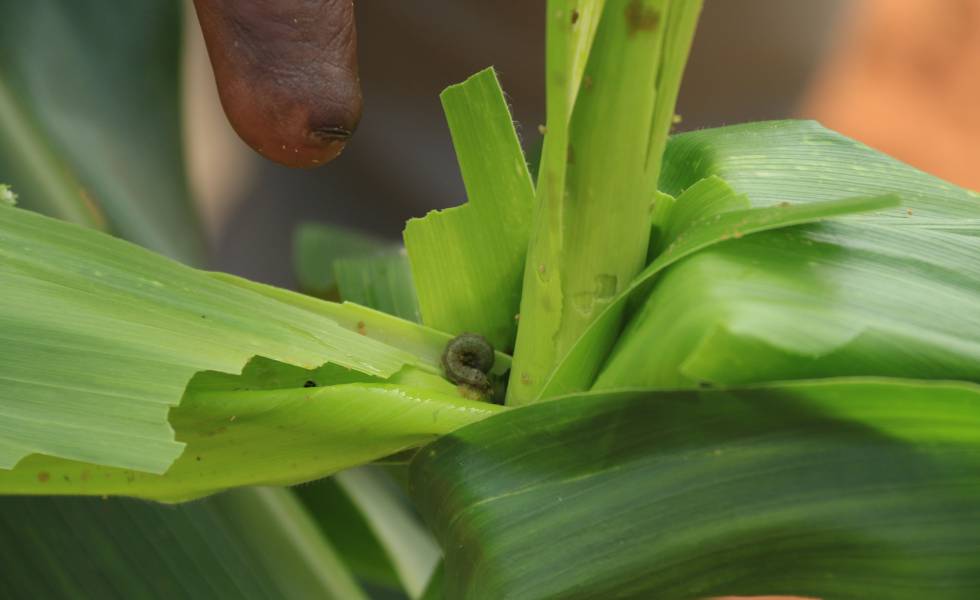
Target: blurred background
899,75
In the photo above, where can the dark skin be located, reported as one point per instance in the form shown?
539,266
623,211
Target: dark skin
286,72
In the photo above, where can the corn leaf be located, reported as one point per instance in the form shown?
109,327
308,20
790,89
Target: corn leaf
344,524
273,424
90,125
577,370
108,336
467,261
317,246
382,282
893,294
408,544
835,489
255,545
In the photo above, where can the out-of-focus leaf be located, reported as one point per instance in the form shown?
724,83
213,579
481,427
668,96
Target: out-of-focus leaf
7,196
89,548
107,335
345,525
89,118
281,532
382,282
435,589
317,246
468,260
836,489
577,370
896,293
408,544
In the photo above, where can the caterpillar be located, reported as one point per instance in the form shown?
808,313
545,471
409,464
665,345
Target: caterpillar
467,360
287,74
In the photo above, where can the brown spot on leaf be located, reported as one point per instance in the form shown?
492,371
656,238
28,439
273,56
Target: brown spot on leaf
43,476
361,328
574,16
640,17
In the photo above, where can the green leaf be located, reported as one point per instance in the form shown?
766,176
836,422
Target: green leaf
434,590
275,525
891,294
382,282
108,335
411,548
468,260
267,428
90,125
252,545
578,368
834,489
345,525
317,246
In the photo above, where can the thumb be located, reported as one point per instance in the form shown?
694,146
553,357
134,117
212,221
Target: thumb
286,74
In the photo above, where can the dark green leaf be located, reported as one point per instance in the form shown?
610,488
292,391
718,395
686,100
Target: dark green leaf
255,544
844,489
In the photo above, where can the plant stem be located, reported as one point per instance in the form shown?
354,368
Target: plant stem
599,168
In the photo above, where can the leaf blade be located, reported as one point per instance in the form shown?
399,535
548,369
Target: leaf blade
480,245
825,489
124,330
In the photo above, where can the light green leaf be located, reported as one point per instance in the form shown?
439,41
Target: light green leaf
108,335
467,261
892,294
267,428
90,124
709,197
252,545
681,22
578,368
844,489
7,196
